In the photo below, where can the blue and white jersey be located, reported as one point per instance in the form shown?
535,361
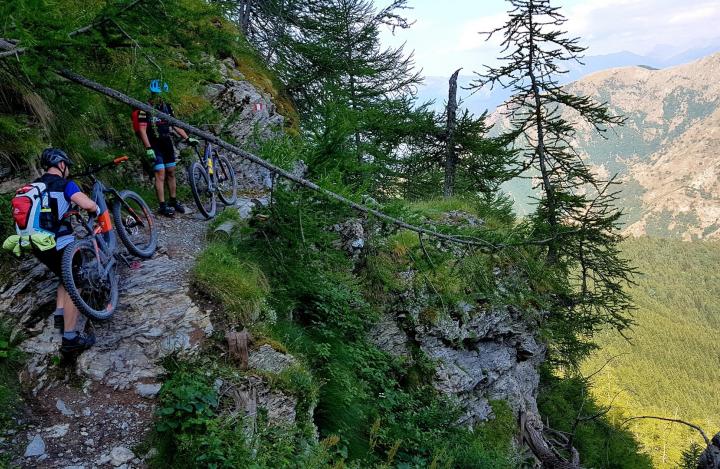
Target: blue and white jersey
60,191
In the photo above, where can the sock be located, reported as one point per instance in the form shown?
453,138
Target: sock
163,205
173,201
60,312
70,335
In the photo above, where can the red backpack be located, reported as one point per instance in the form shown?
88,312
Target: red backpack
32,211
136,121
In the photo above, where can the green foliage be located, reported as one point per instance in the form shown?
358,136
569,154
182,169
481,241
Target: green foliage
178,42
690,457
186,403
240,286
601,445
11,359
670,365
194,431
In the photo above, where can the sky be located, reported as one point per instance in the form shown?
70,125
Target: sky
445,34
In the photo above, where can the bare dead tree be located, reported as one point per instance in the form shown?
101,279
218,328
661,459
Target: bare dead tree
451,153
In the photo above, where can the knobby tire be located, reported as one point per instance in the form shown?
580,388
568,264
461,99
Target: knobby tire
72,263
128,229
199,185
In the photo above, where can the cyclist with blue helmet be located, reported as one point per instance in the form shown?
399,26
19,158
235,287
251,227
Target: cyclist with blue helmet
154,132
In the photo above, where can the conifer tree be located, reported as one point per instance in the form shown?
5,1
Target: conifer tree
576,216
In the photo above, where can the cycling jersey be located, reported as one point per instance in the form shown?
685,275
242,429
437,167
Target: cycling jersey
60,191
157,128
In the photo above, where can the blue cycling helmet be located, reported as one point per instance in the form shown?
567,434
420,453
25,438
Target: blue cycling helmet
51,157
157,87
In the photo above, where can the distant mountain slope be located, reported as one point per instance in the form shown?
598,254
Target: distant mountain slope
668,152
671,366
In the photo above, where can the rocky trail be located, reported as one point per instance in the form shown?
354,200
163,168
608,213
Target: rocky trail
94,413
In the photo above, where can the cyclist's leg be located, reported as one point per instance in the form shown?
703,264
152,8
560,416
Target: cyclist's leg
168,153
71,311
160,185
171,181
159,167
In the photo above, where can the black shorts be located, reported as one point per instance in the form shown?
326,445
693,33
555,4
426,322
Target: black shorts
52,258
164,154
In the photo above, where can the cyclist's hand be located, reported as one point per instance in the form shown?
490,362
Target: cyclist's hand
193,142
150,153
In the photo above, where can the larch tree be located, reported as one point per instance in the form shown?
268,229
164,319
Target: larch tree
576,216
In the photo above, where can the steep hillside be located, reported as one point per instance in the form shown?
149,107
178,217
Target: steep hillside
670,367
297,329
667,153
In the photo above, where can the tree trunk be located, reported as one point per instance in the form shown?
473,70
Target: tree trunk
552,256
451,153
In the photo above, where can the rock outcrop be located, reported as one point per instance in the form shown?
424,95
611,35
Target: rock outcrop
488,354
249,117
481,352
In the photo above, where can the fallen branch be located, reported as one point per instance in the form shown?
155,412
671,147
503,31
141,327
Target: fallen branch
544,450
116,95
683,422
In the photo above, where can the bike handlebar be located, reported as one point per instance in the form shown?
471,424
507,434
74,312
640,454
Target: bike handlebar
97,168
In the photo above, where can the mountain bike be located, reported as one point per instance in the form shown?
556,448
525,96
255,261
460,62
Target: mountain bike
90,263
211,177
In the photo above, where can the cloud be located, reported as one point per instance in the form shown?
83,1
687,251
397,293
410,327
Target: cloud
643,26
607,26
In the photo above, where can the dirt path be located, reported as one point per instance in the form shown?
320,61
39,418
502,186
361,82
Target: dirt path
94,413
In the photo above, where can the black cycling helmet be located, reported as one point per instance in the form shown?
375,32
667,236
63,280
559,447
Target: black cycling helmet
51,157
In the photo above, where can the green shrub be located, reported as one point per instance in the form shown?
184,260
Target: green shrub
11,360
241,287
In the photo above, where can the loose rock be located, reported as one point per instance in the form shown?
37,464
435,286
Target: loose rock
57,431
36,447
120,455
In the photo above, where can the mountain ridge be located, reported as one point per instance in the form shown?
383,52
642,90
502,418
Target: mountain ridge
669,140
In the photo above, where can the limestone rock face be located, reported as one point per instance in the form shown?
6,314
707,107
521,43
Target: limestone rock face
268,359
480,353
352,236
490,356
249,116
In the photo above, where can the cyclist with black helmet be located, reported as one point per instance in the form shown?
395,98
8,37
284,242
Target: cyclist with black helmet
154,132
62,194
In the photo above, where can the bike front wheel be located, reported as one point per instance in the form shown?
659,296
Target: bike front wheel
226,182
135,224
91,283
202,190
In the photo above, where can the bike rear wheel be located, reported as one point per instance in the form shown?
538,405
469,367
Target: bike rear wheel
135,224
93,292
201,189
225,177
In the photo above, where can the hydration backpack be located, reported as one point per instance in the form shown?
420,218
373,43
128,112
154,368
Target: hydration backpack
33,215
135,116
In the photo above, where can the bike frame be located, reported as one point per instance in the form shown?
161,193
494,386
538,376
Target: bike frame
101,223
208,162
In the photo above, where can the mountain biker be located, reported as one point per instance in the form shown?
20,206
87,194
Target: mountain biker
63,193
154,132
